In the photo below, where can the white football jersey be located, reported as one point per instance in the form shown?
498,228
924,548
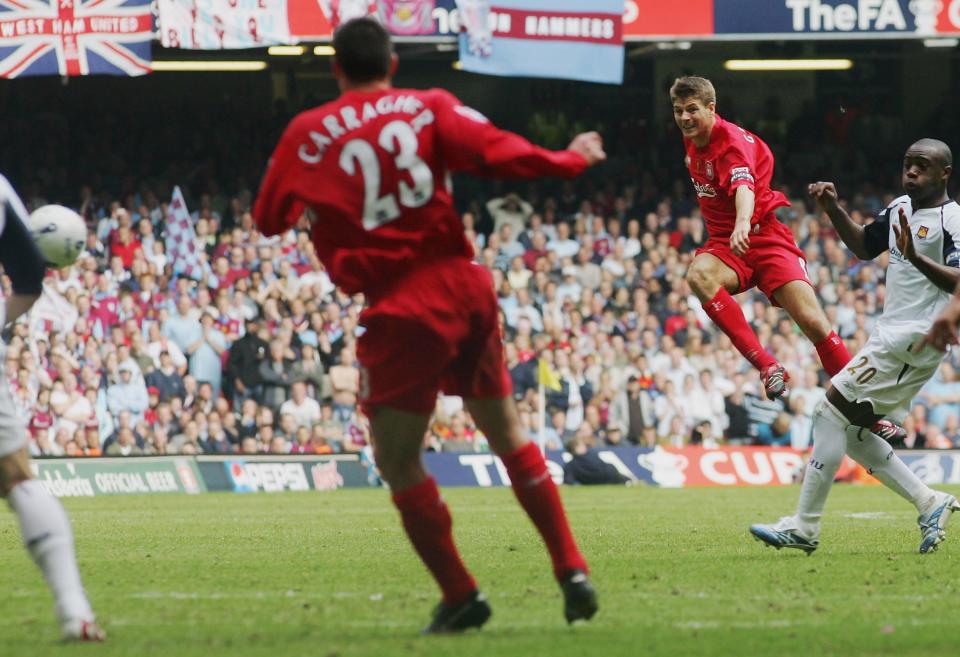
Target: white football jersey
913,302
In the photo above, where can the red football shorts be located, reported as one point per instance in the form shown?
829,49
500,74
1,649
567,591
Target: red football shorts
772,261
435,329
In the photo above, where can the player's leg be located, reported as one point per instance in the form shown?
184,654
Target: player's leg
538,495
48,538
398,447
402,357
479,375
802,530
799,300
713,277
898,388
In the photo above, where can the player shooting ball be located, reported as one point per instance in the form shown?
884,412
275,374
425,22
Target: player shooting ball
748,247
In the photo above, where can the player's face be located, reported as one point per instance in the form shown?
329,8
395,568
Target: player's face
923,174
693,117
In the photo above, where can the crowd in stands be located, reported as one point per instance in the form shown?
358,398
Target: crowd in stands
258,356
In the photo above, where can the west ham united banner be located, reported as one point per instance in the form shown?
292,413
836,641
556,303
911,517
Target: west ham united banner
570,39
75,37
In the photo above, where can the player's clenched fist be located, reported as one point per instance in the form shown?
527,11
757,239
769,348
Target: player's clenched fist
590,146
825,194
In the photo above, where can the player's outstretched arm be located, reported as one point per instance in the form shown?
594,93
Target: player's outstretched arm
944,276
852,234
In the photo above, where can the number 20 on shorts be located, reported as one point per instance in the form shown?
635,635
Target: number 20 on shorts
865,375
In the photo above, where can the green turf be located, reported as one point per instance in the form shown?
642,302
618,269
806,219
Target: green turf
331,575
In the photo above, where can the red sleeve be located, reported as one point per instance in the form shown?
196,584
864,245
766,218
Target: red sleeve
468,142
278,208
738,166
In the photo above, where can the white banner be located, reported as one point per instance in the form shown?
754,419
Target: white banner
223,24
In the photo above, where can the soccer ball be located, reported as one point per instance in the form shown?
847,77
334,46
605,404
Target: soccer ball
60,234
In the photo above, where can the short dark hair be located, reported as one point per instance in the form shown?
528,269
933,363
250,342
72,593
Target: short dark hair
363,50
692,86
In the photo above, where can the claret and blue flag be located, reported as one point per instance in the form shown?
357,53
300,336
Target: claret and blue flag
569,39
75,37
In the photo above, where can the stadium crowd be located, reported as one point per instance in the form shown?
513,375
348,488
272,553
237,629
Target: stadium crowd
126,358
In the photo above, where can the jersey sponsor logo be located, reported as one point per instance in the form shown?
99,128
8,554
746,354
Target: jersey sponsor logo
740,173
705,190
922,232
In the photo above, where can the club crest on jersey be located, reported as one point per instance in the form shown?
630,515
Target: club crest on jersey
709,170
922,232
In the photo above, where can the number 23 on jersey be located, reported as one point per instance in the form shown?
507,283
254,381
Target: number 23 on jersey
399,139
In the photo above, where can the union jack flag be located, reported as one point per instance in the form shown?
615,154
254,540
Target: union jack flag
75,37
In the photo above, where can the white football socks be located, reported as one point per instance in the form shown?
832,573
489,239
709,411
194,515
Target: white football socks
47,535
829,447
876,455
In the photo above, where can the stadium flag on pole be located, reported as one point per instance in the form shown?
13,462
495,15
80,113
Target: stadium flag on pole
569,39
75,37
222,24
547,377
182,239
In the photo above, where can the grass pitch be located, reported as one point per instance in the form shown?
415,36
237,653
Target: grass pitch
332,575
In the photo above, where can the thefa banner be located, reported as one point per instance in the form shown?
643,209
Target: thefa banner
569,39
75,37
223,24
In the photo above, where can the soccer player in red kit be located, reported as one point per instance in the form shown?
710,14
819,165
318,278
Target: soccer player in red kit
373,166
731,170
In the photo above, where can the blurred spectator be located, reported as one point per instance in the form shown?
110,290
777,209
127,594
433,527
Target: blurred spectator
304,411
243,364
345,380
509,210
276,374
632,411
165,379
128,394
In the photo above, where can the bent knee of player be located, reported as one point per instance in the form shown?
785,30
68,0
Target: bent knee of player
703,278
14,469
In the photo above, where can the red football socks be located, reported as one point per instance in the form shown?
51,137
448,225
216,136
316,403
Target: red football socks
430,528
726,314
833,353
539,497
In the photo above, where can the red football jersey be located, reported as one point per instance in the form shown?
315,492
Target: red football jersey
733,158
374,168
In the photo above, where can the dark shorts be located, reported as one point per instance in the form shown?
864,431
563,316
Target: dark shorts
772,261
435,330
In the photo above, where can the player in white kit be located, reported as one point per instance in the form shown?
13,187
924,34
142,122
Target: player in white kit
43,524
922,232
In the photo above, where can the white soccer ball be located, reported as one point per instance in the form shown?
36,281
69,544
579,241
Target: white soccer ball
60,234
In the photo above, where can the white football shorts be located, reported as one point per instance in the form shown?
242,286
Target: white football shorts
888,376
